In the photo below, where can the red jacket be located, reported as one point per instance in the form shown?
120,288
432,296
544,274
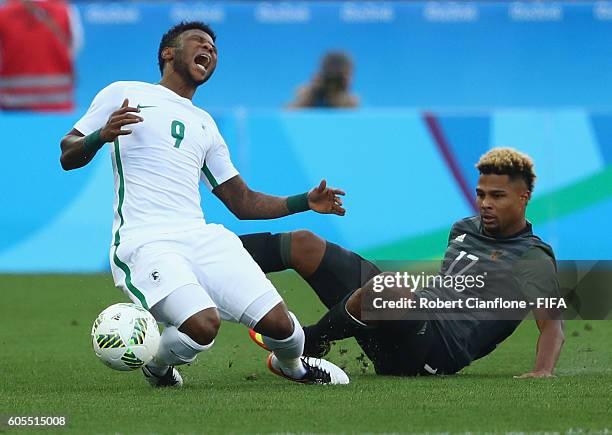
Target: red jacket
36,69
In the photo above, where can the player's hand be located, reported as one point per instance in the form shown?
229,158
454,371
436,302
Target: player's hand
323,199
536,374
120,117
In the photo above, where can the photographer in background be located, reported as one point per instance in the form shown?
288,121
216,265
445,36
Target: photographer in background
330,87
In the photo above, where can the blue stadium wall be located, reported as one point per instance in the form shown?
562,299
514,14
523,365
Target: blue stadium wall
416,54
441,84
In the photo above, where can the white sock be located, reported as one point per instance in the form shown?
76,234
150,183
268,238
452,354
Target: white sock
175,348
289,350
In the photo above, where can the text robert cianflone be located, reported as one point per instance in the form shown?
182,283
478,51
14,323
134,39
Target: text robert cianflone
469,303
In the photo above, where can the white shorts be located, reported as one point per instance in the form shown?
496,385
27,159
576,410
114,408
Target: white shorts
211,258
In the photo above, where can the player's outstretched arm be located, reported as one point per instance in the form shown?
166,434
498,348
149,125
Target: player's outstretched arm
78,150
248,204
548,349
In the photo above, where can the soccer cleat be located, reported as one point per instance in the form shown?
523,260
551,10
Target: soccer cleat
258,339
318,371
172,378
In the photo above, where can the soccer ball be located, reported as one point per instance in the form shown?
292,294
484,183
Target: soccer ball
125,337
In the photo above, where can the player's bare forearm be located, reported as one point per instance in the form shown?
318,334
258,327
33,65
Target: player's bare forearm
262,206
79,150
549,345
74,154
548,349
247,204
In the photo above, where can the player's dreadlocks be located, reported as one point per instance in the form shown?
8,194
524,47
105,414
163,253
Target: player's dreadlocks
171,37
508,161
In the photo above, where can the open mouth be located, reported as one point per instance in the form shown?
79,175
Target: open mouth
202,61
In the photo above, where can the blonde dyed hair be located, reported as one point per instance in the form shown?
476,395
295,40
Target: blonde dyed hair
508,161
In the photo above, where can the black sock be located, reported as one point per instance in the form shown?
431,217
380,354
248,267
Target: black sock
336,324
272,252
340,273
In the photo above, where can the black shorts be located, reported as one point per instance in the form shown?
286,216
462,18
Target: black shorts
399,348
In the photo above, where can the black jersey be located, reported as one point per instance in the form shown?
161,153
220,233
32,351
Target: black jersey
520,267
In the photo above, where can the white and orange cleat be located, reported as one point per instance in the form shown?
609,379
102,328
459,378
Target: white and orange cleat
318,371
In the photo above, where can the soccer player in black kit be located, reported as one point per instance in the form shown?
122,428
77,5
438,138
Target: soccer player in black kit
499,242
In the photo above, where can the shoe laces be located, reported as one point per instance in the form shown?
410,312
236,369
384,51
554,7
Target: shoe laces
316,372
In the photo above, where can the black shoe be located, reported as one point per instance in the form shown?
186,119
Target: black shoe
172,377
318,371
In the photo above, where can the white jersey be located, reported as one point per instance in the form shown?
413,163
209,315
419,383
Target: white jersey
158,167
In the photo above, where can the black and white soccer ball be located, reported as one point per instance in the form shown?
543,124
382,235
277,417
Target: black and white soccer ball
125,337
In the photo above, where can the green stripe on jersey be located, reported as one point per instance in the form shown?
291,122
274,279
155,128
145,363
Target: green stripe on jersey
120,264
209,176
128,280
121,191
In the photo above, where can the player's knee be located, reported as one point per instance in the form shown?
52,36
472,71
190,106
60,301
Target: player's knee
307,250
306,244
283,327
380,282
276,324
353,303
202,327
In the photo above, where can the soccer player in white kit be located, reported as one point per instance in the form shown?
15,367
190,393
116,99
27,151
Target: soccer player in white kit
164,256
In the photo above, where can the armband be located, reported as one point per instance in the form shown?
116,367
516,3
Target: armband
92,142
298,203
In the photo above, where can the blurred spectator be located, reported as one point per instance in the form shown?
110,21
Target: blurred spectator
38,41
330,87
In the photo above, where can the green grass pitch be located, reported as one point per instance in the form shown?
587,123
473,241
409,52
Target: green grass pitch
47,367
